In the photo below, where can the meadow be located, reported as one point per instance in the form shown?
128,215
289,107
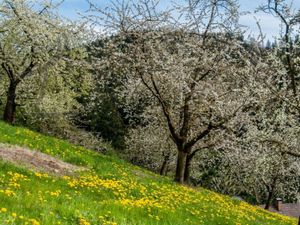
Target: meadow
109,192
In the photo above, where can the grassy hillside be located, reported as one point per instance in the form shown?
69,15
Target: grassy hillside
110,192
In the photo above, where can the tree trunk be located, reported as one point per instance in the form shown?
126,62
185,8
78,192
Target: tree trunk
271,190
164,167
180,168
10,107
269,200
187,168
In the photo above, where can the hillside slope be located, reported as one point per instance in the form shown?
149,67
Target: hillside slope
110,192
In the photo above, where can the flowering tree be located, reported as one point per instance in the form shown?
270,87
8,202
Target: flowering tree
261,159
280,129
32,39
191,70
259,175
290,20
261,162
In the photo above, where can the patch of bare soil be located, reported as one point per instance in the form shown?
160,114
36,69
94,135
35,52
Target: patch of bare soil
36,161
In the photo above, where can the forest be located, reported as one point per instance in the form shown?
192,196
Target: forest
183,91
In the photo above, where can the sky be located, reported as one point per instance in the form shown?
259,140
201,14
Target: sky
270,26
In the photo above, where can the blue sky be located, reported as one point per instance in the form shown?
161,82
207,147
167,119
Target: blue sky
270,26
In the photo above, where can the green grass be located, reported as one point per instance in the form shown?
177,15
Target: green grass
110,192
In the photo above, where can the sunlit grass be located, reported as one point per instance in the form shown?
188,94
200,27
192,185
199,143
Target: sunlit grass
110,192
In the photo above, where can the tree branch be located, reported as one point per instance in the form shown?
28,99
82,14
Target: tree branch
166,112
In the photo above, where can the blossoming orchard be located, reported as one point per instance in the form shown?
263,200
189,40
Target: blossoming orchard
149,112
